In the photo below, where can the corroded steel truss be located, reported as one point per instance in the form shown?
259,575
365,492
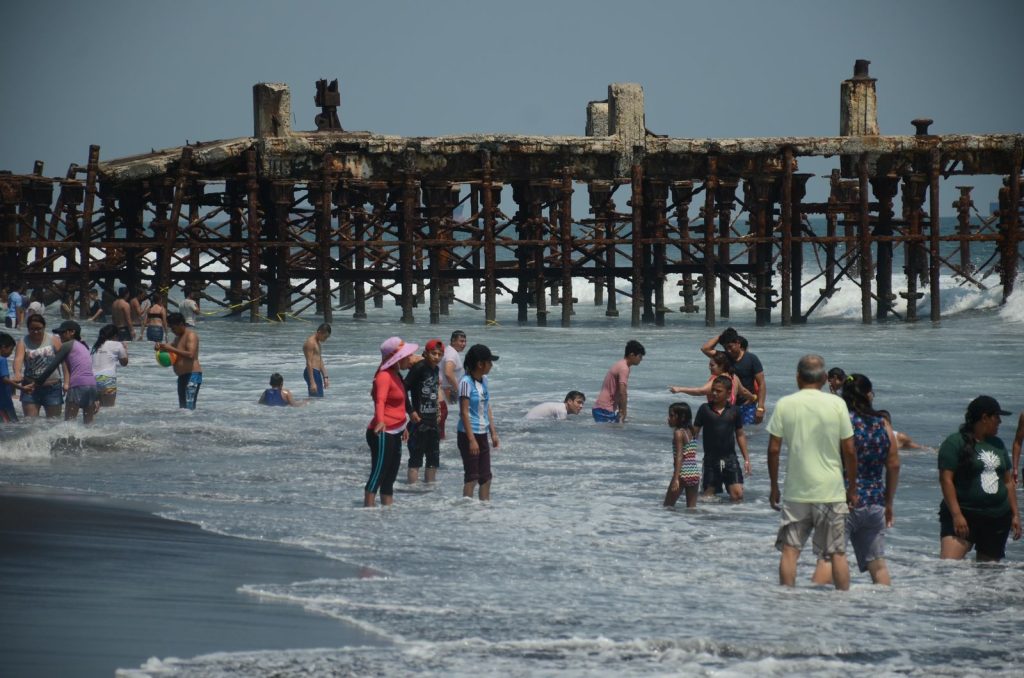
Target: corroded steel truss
281,222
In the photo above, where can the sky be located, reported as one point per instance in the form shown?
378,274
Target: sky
135,75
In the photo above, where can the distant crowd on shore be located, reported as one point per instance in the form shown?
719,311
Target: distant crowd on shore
842,466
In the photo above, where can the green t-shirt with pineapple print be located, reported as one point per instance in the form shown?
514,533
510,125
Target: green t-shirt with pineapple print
979,488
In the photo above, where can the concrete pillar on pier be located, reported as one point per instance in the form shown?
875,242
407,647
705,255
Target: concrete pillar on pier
626,121
858,110
597,119
271,109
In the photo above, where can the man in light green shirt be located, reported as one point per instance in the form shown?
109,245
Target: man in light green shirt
819,438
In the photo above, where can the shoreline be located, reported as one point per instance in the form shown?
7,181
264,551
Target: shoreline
89,585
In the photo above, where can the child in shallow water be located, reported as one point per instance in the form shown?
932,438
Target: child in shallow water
685,471
278,395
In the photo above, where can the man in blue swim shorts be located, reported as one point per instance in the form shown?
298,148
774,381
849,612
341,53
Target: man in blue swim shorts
315,374
612,403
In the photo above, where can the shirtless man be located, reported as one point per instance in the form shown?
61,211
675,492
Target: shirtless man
315,374
187,367
121,314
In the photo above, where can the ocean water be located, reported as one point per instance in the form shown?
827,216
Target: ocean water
574,568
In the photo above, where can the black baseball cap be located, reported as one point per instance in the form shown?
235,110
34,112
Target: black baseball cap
983,405
67,326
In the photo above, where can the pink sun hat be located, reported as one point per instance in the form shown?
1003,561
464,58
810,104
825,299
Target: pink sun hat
393,350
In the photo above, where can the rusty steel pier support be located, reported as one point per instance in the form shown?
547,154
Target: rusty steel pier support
283,220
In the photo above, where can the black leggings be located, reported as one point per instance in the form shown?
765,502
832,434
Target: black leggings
383,467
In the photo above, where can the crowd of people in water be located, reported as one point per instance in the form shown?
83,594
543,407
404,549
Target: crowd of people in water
842,465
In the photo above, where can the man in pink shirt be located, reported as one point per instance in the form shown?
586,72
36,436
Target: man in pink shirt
611,404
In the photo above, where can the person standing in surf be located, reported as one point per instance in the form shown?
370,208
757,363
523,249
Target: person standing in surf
979,500
878,472
722,425
816,429
423,384
612,404
187,367
107,353
685,470
81,381
387,428
475,421
315,373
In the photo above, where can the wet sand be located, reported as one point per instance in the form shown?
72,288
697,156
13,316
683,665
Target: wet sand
89,585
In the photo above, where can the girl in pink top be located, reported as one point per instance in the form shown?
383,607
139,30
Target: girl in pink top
718,365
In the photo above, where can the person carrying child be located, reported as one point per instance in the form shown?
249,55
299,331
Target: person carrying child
723,431
685,472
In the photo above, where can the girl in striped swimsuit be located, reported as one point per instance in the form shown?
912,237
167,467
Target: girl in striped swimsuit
685,471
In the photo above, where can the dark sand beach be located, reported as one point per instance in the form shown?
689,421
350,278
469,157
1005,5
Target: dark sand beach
89,585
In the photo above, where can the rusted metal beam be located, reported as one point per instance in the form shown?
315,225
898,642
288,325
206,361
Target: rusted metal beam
565,226
637,205
710,187
934,260
787,238
865,241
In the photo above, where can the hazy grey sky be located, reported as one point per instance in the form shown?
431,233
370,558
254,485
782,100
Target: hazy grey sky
131,75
